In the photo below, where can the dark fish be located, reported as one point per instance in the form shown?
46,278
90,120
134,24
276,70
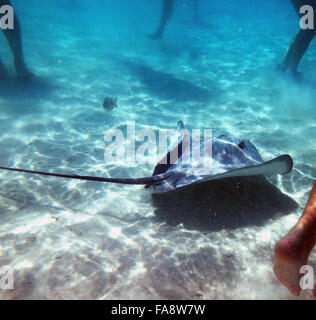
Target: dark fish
109,103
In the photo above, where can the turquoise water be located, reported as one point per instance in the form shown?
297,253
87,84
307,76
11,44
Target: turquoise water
85,240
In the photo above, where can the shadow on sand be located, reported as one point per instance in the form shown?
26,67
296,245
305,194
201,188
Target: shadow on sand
223,204
166,86
25,96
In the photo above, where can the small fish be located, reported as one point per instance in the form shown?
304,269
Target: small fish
109,103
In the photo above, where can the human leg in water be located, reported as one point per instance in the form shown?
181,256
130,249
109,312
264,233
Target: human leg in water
292,252
299,43
14,39
166,14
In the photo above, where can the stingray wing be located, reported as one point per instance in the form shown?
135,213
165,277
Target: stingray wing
170,175
280,165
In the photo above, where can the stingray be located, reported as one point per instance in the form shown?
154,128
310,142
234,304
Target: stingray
178,169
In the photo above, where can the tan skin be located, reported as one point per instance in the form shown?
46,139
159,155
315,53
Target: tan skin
299,43
15,42
292,252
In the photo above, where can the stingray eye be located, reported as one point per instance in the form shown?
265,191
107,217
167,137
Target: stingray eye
241,144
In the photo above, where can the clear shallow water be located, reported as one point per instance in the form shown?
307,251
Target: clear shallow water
112,241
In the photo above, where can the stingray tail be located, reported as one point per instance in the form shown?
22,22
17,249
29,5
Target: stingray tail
138,181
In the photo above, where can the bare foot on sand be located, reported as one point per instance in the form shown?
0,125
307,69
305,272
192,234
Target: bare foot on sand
292,252
290,256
